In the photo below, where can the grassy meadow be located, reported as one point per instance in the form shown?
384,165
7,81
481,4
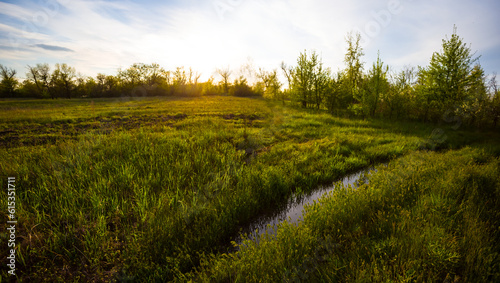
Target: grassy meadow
155,189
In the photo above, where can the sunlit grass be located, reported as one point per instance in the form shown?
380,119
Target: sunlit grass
425,217
142,188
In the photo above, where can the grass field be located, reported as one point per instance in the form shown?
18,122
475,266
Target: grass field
154,189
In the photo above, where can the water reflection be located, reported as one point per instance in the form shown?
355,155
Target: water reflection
293,210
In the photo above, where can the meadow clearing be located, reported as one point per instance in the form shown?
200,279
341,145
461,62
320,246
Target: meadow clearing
154,189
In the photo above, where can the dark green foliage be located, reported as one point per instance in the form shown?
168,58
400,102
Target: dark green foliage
8,83
241,88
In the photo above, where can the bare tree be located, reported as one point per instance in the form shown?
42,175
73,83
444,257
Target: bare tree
288,71
40,75
493,84
194,76
247,70
225,74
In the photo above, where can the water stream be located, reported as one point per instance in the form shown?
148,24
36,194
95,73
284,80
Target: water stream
293,210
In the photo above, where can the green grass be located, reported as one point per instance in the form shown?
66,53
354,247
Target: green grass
148,189
426,217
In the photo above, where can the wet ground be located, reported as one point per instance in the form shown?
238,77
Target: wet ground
294,209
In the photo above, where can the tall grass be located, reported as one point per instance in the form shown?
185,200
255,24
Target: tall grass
426,217
150,201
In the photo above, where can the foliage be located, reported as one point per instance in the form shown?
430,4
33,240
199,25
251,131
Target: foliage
398,101
354,67
374,86
241,88
272,85
62,80
9,83
309,80
449,76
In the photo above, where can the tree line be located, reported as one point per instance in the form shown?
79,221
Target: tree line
137,80
452,85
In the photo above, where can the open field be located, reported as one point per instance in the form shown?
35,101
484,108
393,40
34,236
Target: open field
154,189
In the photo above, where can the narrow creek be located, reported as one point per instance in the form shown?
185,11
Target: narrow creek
294,208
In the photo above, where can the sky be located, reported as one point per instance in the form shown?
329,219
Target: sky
101,36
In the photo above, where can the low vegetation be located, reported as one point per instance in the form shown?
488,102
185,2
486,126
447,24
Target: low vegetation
155,189
426,217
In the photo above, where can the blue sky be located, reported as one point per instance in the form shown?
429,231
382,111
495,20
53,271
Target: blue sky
101,36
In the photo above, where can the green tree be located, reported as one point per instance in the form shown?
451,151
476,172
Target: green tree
28,88
98,85
103,86
309,80
336,88
179,81
89,87
241,88
428,108
447,78
302,79
474,106
288,72
62,80
151,75
375,85
9,82
398,100
272,85
354,68
130,77
194,88
209,87
142,79
321,84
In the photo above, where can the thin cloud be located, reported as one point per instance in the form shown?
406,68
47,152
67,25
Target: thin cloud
53,47
12,48
102,36
15,11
